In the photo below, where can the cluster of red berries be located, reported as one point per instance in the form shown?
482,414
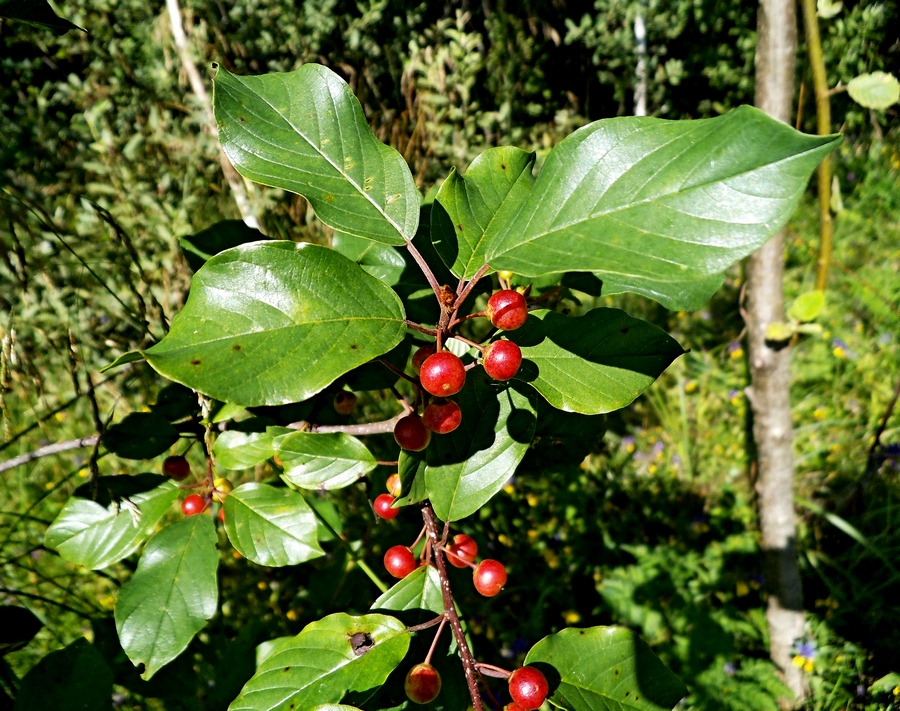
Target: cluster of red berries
442,374
177,468
527,686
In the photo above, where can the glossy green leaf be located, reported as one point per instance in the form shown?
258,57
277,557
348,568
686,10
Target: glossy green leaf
18,626
382,261
172,594
420,590
498,178
201,246
605,668
468,466
324,461
305,131
76,678
411,468
594,363
234,449
271,526
659,206
271,323
95,536
877,90
329,659
141,435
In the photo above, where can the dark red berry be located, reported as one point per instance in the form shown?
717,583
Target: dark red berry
464,550
507,309
176,468
443,374
420,355
193,504
423,684
344,402
489,577
528,688
442,416
502,360
399,561
382,506
411,433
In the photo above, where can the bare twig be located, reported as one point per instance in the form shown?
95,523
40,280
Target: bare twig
426,270
48,451
381,427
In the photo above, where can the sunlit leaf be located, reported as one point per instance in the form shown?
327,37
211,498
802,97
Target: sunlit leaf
420,590
877,90
324,461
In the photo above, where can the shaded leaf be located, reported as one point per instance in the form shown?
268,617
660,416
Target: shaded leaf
72,679
594,363
205,244
411,468
172,594
124,359
305,131
38,13
93,535
271,323
382,261
602,668
330,658
420,590
498,177
659,207
324,461
468,466
141,435
271,526
18,626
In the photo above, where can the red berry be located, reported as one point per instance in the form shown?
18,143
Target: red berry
193,504
382,506
489,577
463,547
176,468
411,433
399,561
528,688
442,416
423,684
502,360
420,355
344,402
513,706
222,514
443,374
394,485
507,309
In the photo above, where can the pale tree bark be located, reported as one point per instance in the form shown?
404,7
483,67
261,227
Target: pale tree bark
235,182
769,391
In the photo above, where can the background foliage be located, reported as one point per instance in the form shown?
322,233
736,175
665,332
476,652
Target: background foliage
646,519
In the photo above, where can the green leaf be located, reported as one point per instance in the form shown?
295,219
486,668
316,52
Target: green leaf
382,261
329,659
38,13
498,178
877,90
141,435
657,206
172,594
305,131
807,306
96,536
604,668
271,526
124,359
201,246
72,679
594,363
411,468
420,590
826,9
271,323
324,461
18,626
242,450
779,332
468,466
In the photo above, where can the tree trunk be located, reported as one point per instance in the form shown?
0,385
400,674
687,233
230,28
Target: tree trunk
769,391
